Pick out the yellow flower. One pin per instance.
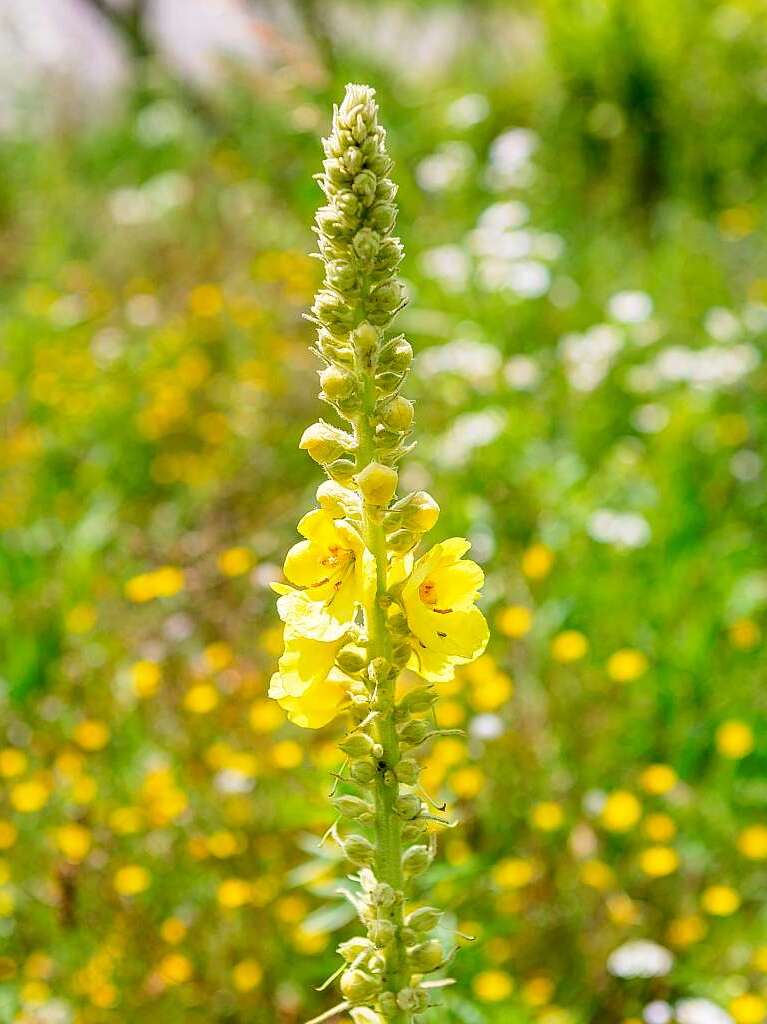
(659, 861)
(234, 561)
(752, 842)
(246, 975)
(12, 762)
(626, 665)
(734, 739)
(537, 561)
(74, 841)
(201, 698)
(748, 1009)
(548, 816)
(492, 986)
(175, 968)
(30, 796)
(621, 811)
(131, 880)
(448, 629)
(515, 621)
(658, 779)
(745, 634)
(720, 900)
(233, 893)
(307, 685)
(568, 646)
(145, 678)
(597, 874)
(685, 931)
(329, 568)
(91, 734)
(514, 872)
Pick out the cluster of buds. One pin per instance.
(357, 559)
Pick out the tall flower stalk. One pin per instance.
(359, 608)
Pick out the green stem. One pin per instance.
(388, 828)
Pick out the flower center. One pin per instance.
(428, 592)
(337, 557)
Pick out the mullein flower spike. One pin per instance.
(358, 607)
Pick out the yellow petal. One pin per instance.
(458, 585)
(459, 634)
(319, 620)
(316, 706)
(431, 666)
(303, 564)
(304, 663)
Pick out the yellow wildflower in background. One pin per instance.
(621, 811)
(658, 779)
(537, 561)
(734, 739)
(748, 1008)
(514, 621)
(752, 842)
(547, 816)
(247, 975)
(235, 561)
(569, 646)
(720, 900)
(145, 678)
(493, 986)
(74, 841)
(626, 665)
(12, 762)
(659, 861)
(131, 880)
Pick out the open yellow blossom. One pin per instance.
(328, 569)
(447, 627)
(306, 685)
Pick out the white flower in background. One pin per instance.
(755, 317)
(510, 163)
(528, 279)
(640, 958)
(593, 801)
(467, 111)
(522, 373)
(589, 356)
(746, 465)
(148, 202)
(503, 217)
(486, 727)
(650, 418)
(657, 1012)
(477, 361)
(721, 324)
(448, 264)
(706, 368)
(621, 529)
(446, 168)
(469, 431)
(630, 307)
(700, 1011)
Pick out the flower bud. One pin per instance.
(364, 184)
(357, 744)
(351, 806)
(382, 216)
(366, 244)
(324, 443)
(352, 160)
(418, 511)
(402, 541)
(417, 701)
(380, 670)
(365, 338)
(398, 414)
(426, 956)
(377, 483)
(396, 355)
(388, 295)
(415, 831)
(337, 500)
(387, 1004)
(363, 771)
(351, 660)
(331, 221)
(383, 896)
(415, 732)
(342, 471)
(358, 850)
(354, 947)
(407, 806)
(358, 986)
(381, 932)
(337, 384)
(424, 919)
(407, 771)
(347, 203)
(341, 274)
(413, 999)
(416, 860)
(333, 349)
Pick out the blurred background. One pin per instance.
(583, 197)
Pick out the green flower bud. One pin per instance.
(415, 831)
(331, 222)
(354, 947)
(342, 470)
(412, 999)
(377, 483)
(351, 660)
(387, 1004)
(366, 244)
(398, 414)
(351, 806)
(416, 860)
(407, 771)
(358, 850)
(415, 732)
(417, 701)
(419, 511)
(402, 541)
(426, 956)
(352, 160)
(337, 384)
(324, 443)
(387, 382)
(332, 310)
(380, 670)
(388, 295)
(383, 896)
(363, 772)
(333, 349)
(364, 184)
(358, 744)
(358, 987)
(424, 919)
(341, 274)
(365, 338)
(347, 203)
(382, 216)
(408, 806)
(396, 355)
(381, 932)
